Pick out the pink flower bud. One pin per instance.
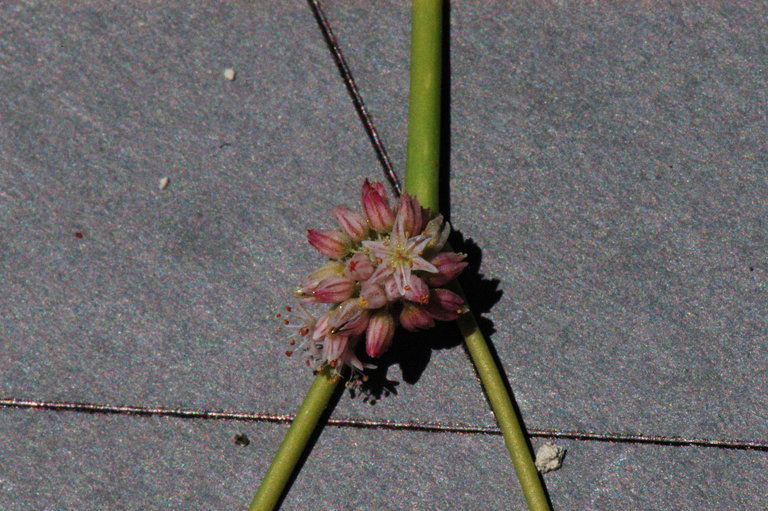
(378, 337)
(416, 290)
(330, 242)
(415, 317)
(359, 267)
(349, 318)
(376, 186)
(445, 305)
(449, 265)
(333, 290)
(409, 214)
(376, 207)
(372, 296)
(351, 222)
(308, 286)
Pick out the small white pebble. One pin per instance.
(164, 182)
(229, 74)
(549, 457)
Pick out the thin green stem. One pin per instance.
(504, 410)
(423, 155)
(422, 180)
(295, 441)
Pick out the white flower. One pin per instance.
(399, 255)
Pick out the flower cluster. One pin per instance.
(386, 268)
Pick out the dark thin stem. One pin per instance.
(437, 427)
(357, 99)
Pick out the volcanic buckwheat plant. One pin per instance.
(386, 268)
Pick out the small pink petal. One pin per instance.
(390, 289)
(416, 290)
(349, 318)
(376, 207)
(401, 276)
(331, 269)
(445, 305)
(351, 222)
(414, 317)
(420, 264)
(449, 265)
(409, 215)
(378, 337)
(334, 346)
(382, 272)
(329, 242)
(359, 267)
(417, 244)
(372, 296)
(333, 290)
(321, 328)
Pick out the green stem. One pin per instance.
(295, 441)
(422, 164)
(504, 410)
(422, 180)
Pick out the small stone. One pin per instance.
(164, 182)
(229, 74)
(242, 440)
(549, 457)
